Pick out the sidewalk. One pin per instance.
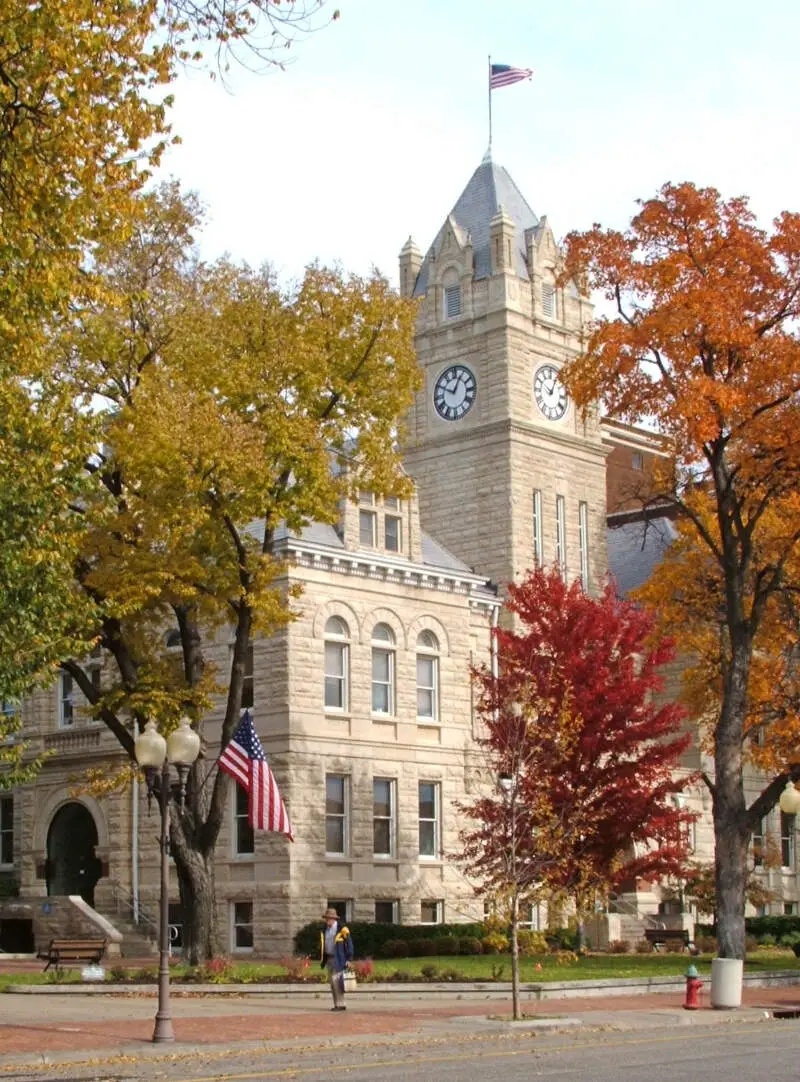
(62, 1028)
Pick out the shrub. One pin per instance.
(400, 975)
(452, 975)
(619, 946)
(674, 946)
(430, 972)
(777, 925)
(706, 944)
(118, 973)
(498, 971)
(470, 944)
(446, 945)
(644, 946)
(789, 939)
(750, 944)
(296, 967)
(562, 938)
(530, 942)
(369, 938)
(767, 940)
(564, 958)
(216, 971)
(422, 948)
(145, 975)
(394, 948)
(495, 943)
(363, 969)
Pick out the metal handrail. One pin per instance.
(627, 908)
(127, 907)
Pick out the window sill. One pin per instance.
(378, 859)
(430, 861)
(389, 719)
(243, 858)
(338, 858)
(338, 715)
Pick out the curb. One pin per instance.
(623, 986)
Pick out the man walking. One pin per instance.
(337, 954)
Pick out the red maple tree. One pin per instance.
(573, 717)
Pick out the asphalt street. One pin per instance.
(765, 1051)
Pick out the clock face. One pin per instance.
(454, 392)
(550, 393)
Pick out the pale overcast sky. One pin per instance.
(377, 125)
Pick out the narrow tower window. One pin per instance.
(537, 527)
(583, 538)
(561, 534)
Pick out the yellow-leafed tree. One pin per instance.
(223, 409)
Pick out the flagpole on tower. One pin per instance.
(489, 80)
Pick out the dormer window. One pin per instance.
(367, 520)
(548, 300)
(452, 301)
(392, 525)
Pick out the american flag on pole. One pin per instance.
(244, 759)
(505, 75)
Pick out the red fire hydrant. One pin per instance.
(693, 986)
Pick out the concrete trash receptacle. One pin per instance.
(726, 983)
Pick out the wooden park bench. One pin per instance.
(661, 936)
(72, 951)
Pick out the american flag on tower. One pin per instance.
(506, 74)
(244, 759)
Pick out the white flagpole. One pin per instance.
(490, 102)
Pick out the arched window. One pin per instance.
(337, 664)
(428, 676)
(382, 670)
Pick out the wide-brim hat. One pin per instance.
(330, 913)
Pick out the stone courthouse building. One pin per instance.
(364, 703)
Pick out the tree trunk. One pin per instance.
(731, 831)
(515, 956)
(196, 883)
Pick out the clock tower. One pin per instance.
(507, 471)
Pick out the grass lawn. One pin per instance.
(471, 968)
(590, 967)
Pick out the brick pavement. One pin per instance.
(195, 1023)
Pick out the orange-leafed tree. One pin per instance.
(702, 339)
(572, 721)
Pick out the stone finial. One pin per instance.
(410, 263)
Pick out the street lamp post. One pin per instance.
(155, 754)
(508, 787)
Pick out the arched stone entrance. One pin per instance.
(72, 864)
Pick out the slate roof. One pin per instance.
(634, 549)
(489, 188)
(320, 533)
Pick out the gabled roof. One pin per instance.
(635, 546)
(489, 188)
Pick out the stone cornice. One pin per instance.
(519, 428)
(381, 568)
